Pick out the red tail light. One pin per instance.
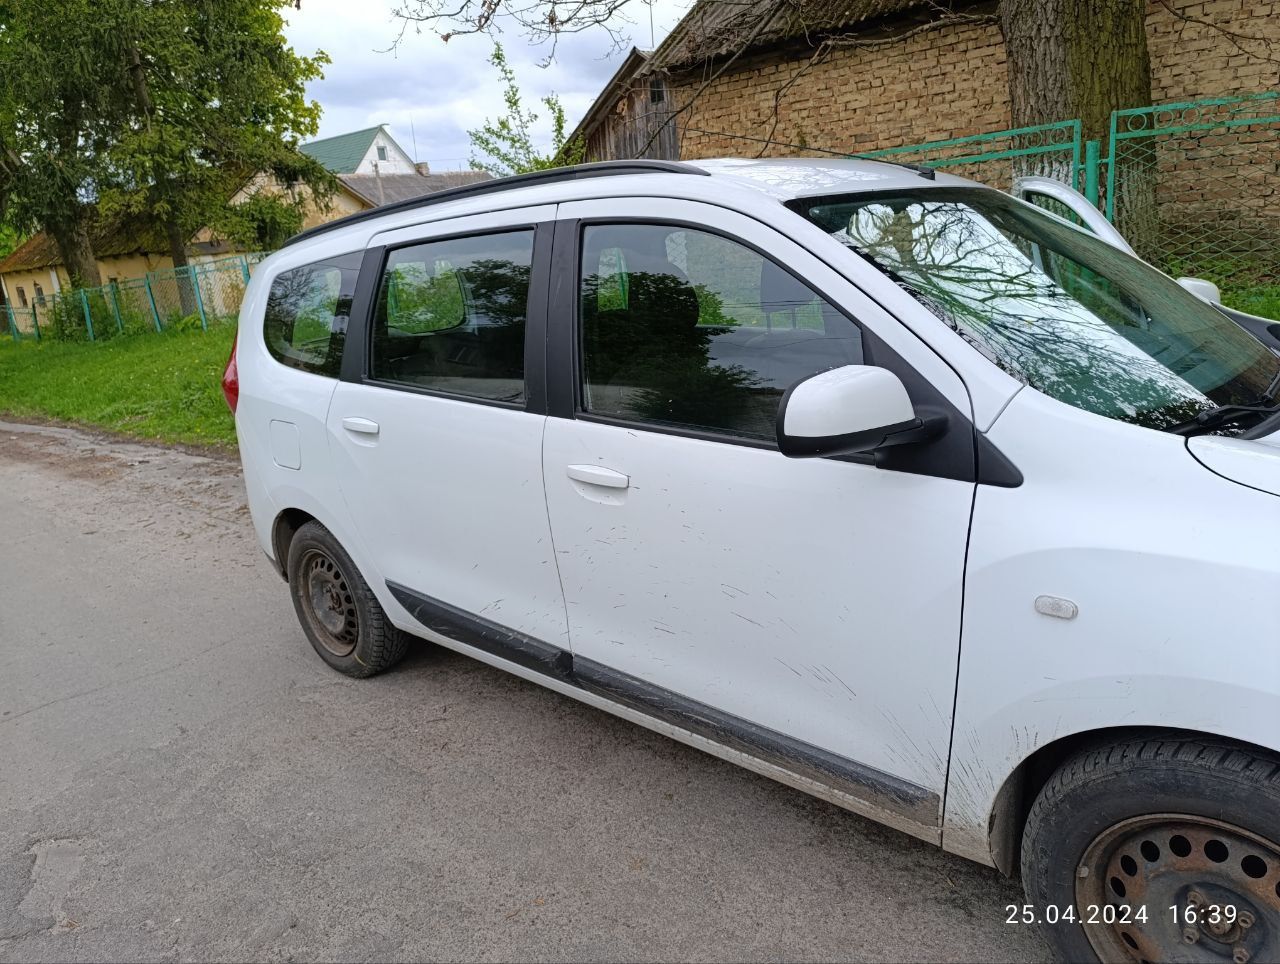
(231, 378)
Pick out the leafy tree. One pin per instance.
(58, 109)
(10, 240)
(219, 107)
(507, 143)
(163, 110)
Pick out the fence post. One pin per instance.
(151, 295)
(244, 267)
(1092, 158)
(115, 307)
(195, 283)
(88, 321)
(13, 323)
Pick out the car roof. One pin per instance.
(777, 178)
(787, 178)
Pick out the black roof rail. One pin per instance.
(499, 184)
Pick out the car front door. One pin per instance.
(806, 611)
(438, 441)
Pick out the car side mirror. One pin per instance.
(847, 410)
(1204, 290)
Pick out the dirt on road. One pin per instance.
(181, 778)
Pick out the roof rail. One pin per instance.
(552, 176)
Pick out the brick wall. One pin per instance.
(950, 82)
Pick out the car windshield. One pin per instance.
(1055, 307)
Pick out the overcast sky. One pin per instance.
(445, 89)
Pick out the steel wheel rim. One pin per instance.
(1188, 862)
(328, 604)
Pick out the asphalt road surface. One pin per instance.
(181, 778)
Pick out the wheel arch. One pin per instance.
(1013, 802)
(283, 529)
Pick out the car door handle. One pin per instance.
(598, 475)
(361, 426)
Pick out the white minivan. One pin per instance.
(881, 483)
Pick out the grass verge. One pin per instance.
(154, 386)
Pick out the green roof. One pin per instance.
(342, 154)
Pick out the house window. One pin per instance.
(657, 93)
(39, 294)
(22, 297)
(382, 153)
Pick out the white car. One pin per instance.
(886, 485)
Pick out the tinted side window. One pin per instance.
(307, 310)
(687, 328)
(451, 315)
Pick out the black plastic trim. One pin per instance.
(901, 797)
(1266, 330)
(355, 346)
(484, 634)
(498, 185)
(562, 321)
(535, 319)
(915, 803)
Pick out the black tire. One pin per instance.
(339, 613)
(1158, 823)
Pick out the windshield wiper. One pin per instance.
(1214, 418)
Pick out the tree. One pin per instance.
(507, 143)
(1075, 58)
(57, 111)
(219, 107)
(162, 110)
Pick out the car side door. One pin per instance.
(437, 438)
(806, 611)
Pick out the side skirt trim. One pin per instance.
(485, 634)
(884, 791)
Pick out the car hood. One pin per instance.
(1251, 462)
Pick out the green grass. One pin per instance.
(1264, 301)
(151, 386)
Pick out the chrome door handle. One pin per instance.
(361, 426)
(598, 475)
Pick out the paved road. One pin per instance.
(181, 778)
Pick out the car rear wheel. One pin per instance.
(1164, 850)
(339, 613)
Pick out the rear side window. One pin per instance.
(451, 316)
(305, 326)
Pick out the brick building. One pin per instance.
(902, 75)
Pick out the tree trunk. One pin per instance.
(1085, 59)
(74, 246)
(182, 276)
(1075, 58)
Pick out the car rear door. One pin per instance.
(437, 439)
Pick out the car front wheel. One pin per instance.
(1158, 850)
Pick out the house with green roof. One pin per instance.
(370, 151)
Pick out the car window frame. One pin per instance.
(565, 351)
(365, 302)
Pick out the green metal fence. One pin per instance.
(194, 296)
(1048, 150)
(1195, 187)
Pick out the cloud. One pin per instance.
(433, 92)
